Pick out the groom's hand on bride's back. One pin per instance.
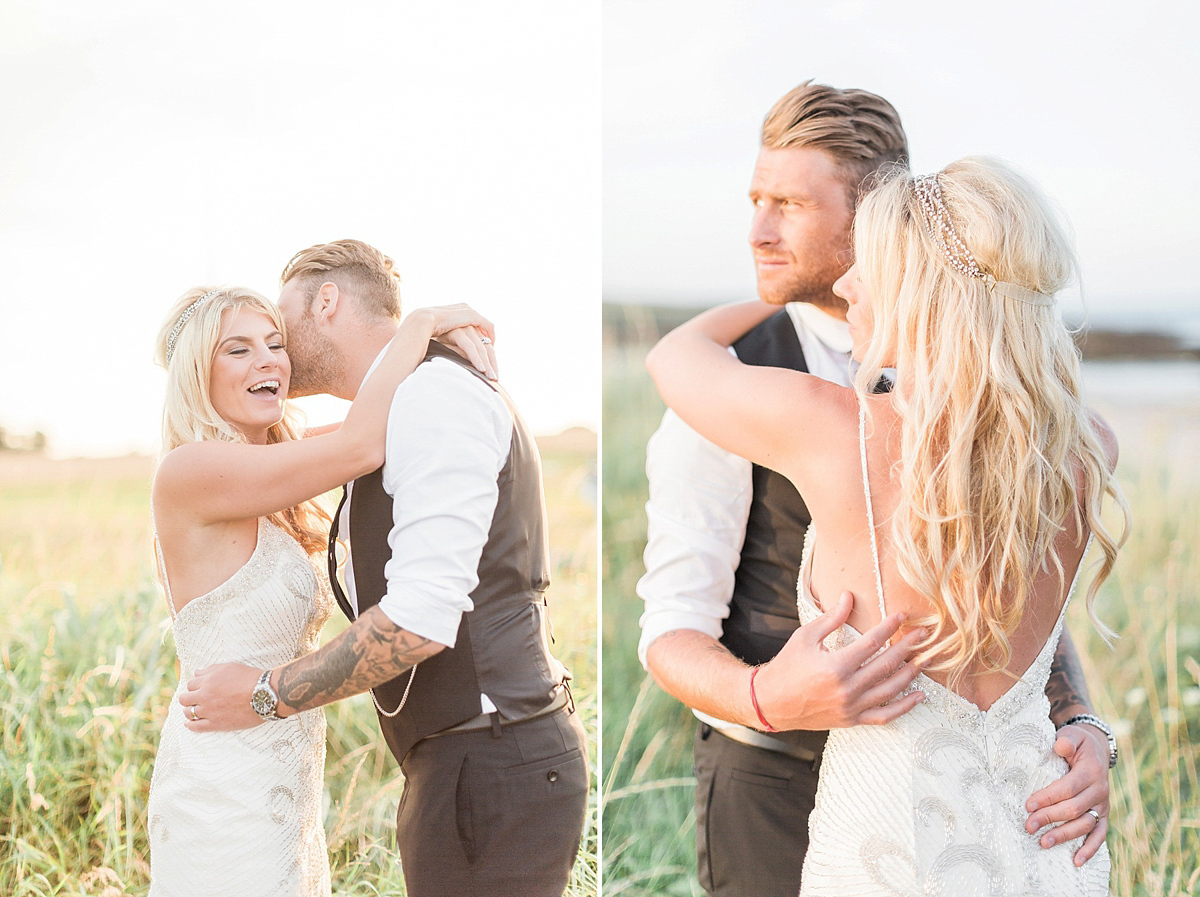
(807, 686)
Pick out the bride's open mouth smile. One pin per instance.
(268, 389)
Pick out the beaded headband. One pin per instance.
(937, 221)
(183, 319)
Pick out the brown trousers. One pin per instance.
(494, 815)
(752, 809)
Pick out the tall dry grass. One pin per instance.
(1148, 682)
(87, 669)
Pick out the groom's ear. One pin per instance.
(325, 303)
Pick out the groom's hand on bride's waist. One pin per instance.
(217, 698)
(807, 686)
(1080, 799)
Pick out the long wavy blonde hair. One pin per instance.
(188, 411)
(998, 453)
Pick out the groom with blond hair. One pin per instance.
(720, 630)
(446, 585)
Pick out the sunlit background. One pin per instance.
(150, 147)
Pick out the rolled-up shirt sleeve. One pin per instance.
(696, 523)
(448, 438)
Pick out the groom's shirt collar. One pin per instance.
(825, 342)
(833, 332)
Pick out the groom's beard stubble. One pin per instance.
(810, 277)
(317, 365)
(813, 287)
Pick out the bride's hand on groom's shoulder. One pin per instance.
(807, 686)
(444, 318)
(472, 344)
(467, 332)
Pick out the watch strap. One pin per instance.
(263, 700)
(1091, 720)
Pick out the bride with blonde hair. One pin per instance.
(240, 813)
(982, 479)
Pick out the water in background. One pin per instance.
(1178, 317)
(1169, 382)
(1154, 407)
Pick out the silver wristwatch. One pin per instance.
(263, 699)
(1103, 727)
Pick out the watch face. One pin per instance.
(262, 701)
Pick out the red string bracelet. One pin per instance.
(767, 727)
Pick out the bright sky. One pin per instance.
(1099, 101)
(150, 147)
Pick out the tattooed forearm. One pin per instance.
(369, 653)
(1066, 688)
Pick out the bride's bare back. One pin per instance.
(843, 559)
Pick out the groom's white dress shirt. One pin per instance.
(699, 502)
(448, 438)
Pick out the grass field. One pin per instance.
(1148, 683)
(87, 669)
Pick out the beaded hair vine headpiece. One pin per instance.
(173, 337)
(937, 221)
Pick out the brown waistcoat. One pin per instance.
(502, 649)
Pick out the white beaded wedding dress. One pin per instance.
(239, 813)
(934, 802)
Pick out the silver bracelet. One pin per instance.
(1104, 727)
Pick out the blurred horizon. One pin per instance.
(1134, 331)
(1178, 311)
(37, 447)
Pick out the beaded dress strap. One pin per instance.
(162, 567)
(862, 453)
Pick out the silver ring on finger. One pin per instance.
(193, 709)
(1095, 813)
(485, 340)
